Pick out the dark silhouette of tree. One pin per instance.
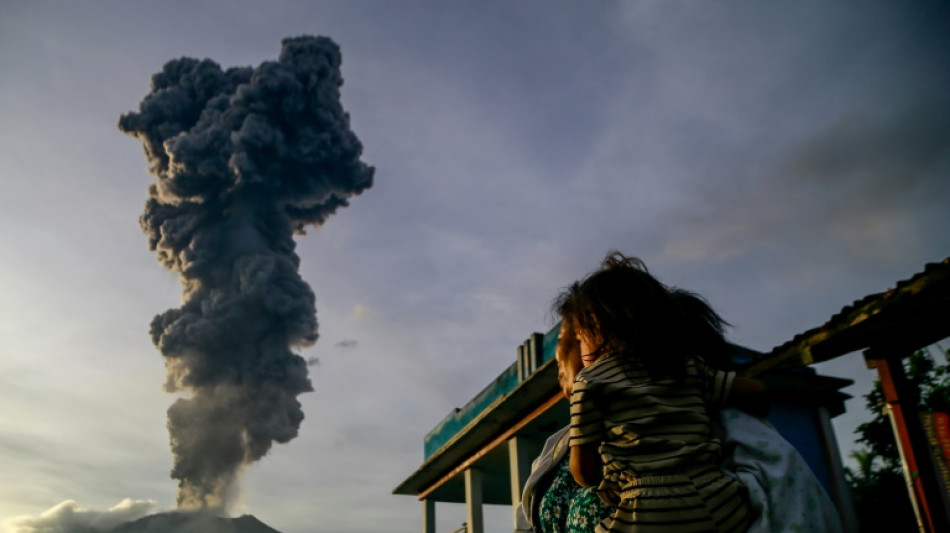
(878, 485)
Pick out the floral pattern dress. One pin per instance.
(567, 507)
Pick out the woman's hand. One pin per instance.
(611, 498)
(750, 395)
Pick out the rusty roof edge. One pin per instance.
(856, 313)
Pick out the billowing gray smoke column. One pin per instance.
(244, 159)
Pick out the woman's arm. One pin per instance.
(586, 465)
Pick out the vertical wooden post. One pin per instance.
(473, 501)
(919, 470)
(428, 516)
(520, 462)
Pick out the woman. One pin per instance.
(552, 501)
(568, 507)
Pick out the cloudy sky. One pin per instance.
(783, 159)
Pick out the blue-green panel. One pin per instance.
(459, 418)
(505, 383)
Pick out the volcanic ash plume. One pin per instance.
(244, 159)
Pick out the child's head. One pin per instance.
(622, 308)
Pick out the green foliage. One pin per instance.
(877, 484)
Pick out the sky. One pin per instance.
(782, 159)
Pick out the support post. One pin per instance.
(840, 488)
(473, 501)
(522, 364)
(919, 470)
(534, 351)
(428, 516)
(519, 459)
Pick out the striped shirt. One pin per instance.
(647, 426)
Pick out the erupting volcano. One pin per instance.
(244, 159)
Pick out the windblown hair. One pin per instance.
(706, 329)
(621, 307)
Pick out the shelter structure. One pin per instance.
(888, 327)
(481, 453)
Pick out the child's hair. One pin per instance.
(621, 307)
(706, 329)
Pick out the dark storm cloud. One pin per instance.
(884, 154)
(841, 143)
(880, 180)
(244, 159)
(860, 182)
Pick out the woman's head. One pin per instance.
(568, 359)
(621, 307)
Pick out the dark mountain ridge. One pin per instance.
(193, 522)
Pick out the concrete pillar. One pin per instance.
(840, 489)
(473, 501)
(536, 349)
(522, 364)
(428, 516)
(519, 458)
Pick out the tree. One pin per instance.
(877, 484)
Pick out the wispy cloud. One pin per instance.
(360, 311)
(347, 344)
(68, 516)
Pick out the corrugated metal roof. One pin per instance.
(931, 284)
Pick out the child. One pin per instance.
(641, 409)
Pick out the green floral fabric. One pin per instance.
(567, 507)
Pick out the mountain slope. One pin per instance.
(192, 522)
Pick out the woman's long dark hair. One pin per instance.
(628, 311)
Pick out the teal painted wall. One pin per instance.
(502, 385)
